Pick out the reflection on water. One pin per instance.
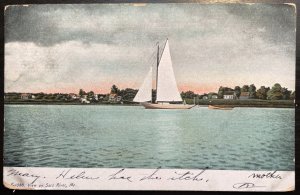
(130, 136)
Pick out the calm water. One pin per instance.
(130, 136)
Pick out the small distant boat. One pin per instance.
(167, 94)
(220, 107)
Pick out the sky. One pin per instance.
(64, 48)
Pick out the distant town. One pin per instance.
(224, 95)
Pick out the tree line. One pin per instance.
(127, 94)
(277, 92)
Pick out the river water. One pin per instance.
(133, 137)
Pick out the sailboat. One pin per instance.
(167, 94)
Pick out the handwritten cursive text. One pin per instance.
(14, 172)
(68, 175)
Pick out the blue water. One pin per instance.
(130, 136)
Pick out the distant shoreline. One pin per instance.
(250, 103)
(68, 103)
(203, 103)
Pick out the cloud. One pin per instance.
(51, 24)
(33, 67)
(62, 46)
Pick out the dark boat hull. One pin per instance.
(220, 107)
(166, 106)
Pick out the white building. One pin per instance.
(229, 95)
(25, 96)
(73, 96)
(84, 101)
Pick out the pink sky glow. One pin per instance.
(105, 88)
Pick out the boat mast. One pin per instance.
(157, 69)
(157, 64)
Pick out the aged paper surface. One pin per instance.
(167, 96)
(147, 179)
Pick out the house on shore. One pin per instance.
(114, 98)
(96, 97)
(244, 95)
(25, 96)
(84, 101)
(229, 95)
(101, 96)
(73, 96)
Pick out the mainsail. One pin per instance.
(145, 92)
(166, 86)
(167, 90)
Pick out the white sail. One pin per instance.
(167, 90)
(145, 92)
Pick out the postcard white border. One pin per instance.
(43, 178)
(46, 178)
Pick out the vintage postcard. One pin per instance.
(162, 96)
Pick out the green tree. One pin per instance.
(90, 95)
(209, 95)
(52, 97)
(188, 94)
(285, 93)
(81, 92)
(58, 97)
(275, 93)
(106, 97)
(245, 88)
(261, 93)
(221, 92)
(202, 96)
(40, 96)
(115, 89)
(292, 96)
(128, 94)
(237, 91)
(252, 91)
